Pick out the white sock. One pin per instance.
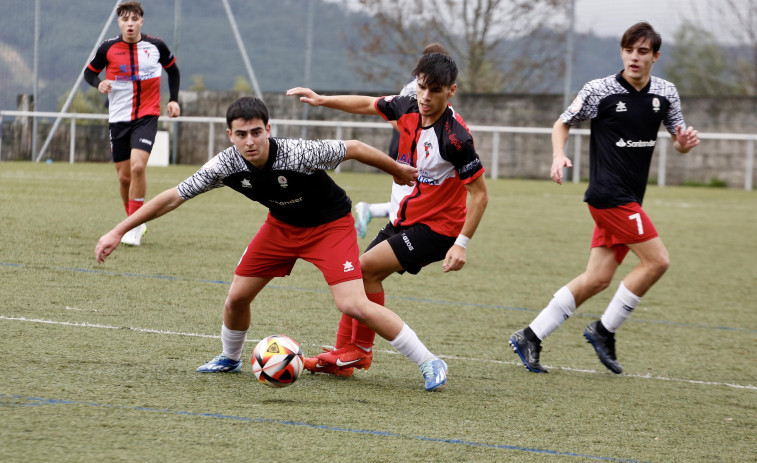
(620, 308)
(232, 341)
(562, 306)
(379, 209)
(408, 344)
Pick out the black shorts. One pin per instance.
(415, 246)
(125, 136)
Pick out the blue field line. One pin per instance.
(37, 401)
(400, 298)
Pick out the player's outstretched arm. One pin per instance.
(684, 140)
(159, 205)
(403, 174)
(355, 104)
(560, 133)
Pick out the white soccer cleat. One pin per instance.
(133, 237)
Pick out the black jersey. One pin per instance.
(293, 184)
(624, 126)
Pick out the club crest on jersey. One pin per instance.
(621, 107)
(283, 183)
(426, 148)
(655, 104)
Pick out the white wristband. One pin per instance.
(462, 241)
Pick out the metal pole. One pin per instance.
(569, 56)
(242, 50)
(35, 78)
(748, 178)
(308, 60)
(175, 125)
(78, 81)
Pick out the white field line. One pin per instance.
(391, 352)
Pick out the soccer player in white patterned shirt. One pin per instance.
(430, 221)
(626, 110)
(132, 63)
(309, 218)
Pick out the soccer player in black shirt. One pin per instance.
(626, 110)
(309, 218)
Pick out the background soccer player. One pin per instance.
(132, 64)
(626, 110)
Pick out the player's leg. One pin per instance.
(597, 276)
(123, 171)
(630, 225)
(350, 299)
(141, 140)
(236, 322)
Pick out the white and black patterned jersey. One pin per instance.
(624, 126)
(293, 184)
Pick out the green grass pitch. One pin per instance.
(98, 361)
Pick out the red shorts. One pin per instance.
(618, 226)
(332, 247)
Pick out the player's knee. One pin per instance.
(660, 264)
(137, 169)
(355, 308)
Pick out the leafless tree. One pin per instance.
(500, 45)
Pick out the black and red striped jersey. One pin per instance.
(624, 126)
(293, 184)
(446, 160)
(134, 70)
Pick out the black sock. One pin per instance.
(602, 331)
(530, 335)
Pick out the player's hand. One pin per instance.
(407, 175)
(686, 139)
(105, 87)
(307, 96)
(558, 164)
(173, 109)
(455, 259)
(107, 244)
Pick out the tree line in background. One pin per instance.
(502, 46)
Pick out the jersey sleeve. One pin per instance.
(585, 105)
(394, 106)
(100, 60)
(308, 156)
(674, 117)
(209, 177)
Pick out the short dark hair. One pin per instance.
(247, 108)
(641, 31)
(131, 6)
(438, 69)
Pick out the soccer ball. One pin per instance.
(277, 361)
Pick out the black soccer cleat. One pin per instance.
(604, 346)
(527, 351)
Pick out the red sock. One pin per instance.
(134, 205)
(344, 332)
(361, 334)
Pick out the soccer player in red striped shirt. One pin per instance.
(133, 64)
(429, 221)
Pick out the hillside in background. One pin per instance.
(274, 33)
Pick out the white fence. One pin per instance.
(495, 132)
